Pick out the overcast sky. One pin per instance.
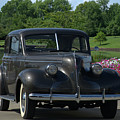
(74, 3)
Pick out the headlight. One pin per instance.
(51, 69)
(97, 69)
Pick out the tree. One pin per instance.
(39, 9)
(100, 37)
(15, 14)
(1, 32)
(62, 5)
(18, 7)
(91, 14)
(48, 5)
(103, 4)
(64, 19)
(113, 11)
(113, 27)
(43, 8)
(91, 17)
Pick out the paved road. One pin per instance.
(56, 114)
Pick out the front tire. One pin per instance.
(27, 106)
(109, 109)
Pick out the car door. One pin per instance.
(11, 64)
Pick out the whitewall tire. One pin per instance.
(27, 106)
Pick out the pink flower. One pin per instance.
(112, 63)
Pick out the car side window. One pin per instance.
(76, 44)
(15, 46)
(83, 44)
(79, 44)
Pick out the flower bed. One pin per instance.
(112, 63)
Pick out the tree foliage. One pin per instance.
(91, 17)
(91, 13)
(100, 37)
(103, 4)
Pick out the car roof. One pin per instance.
(30, 31)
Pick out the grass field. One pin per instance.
(100, 55)
(112, 42)
(2, 42)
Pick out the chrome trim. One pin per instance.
(56, 41)
(22, 60)
(77, 78)
(76, 70)
(72, 97)
(104, 95)
(7, 97)
(40, 61)
(23, 50)
(51, 95)
(78, 94)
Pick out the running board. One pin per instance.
(8, 97)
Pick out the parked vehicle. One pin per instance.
(51, 67)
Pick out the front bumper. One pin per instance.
(74, 97)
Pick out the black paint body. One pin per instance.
(29, 69)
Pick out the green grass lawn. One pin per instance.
(1, 55)
(2, 42)
(100, 55)
(112, 42)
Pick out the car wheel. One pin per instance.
(27, 106)
(109, 109)
(4, 104)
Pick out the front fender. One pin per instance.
(109, 80)
(110, 72)
(35, 80)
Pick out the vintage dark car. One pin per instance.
(52, 67)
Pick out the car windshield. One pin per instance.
(55, 42)
(34, 43)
